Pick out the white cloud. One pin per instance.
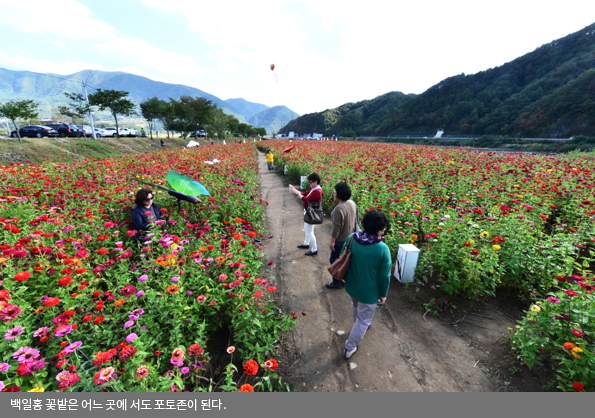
(60, 18)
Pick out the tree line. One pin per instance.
(184, 115)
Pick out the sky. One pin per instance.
(326, 52)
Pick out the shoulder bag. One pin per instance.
(340, 266)
(313, 213)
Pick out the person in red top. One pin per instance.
(314, 194)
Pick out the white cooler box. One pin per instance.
(406, 262)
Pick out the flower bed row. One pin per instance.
(85, 307)
(483, 221)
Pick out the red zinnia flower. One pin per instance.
(52, 301)
(251, 368)
(246, 388)
(22, 276)
(87, 318)
(577, 333)
(65, 281)
(99, 319)
(578, 386)
(195, 350)
(271, 364)
(474, 252)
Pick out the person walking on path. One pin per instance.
(368, 277)
(314, 194)
(344, 217)
(270, 160)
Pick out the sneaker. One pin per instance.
(312, 253)
(332, 285)
(348, 353)
(302, 246)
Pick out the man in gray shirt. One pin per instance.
(344, 217)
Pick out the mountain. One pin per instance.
(546, 93)
(49, 89)
(274, 117)
(362, 116)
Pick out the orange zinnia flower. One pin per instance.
(246, 388)
(172, 289)
(119, 302)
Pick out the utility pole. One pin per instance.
(90, 113)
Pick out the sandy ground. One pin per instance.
(404, 350)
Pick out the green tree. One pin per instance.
(167, 116)
(244, 129)
(151, 110)
(191, 113)
(115, 101)
(77, 107)
(348, 133)
(21, 109)
(218, 125)
(233, 124)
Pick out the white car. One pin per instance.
(99, 132)
(127, 132)
(86, 128)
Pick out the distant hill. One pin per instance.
(549, 92)
(274, 117)
(49, 89)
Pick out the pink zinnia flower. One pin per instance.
(9, 313)
(72, 347)
(11, 334)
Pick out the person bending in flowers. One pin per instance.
(145, 213)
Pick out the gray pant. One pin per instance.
(362, 318)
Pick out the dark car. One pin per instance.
(35, 131)
(66, 130)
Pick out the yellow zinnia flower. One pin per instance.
(535, 308)
(496, 247)
(484, 234)
(38, 389)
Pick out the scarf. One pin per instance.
(362, 237)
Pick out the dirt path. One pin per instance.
(404, 351)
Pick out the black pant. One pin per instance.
(334, 255)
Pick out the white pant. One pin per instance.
(310, 239)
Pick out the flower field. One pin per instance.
(484, 221)
(86, 307)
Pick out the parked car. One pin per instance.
(128, 132)
(198, 134)
(86, 129)
(66, 130)
(35, 131)
(99, 132)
